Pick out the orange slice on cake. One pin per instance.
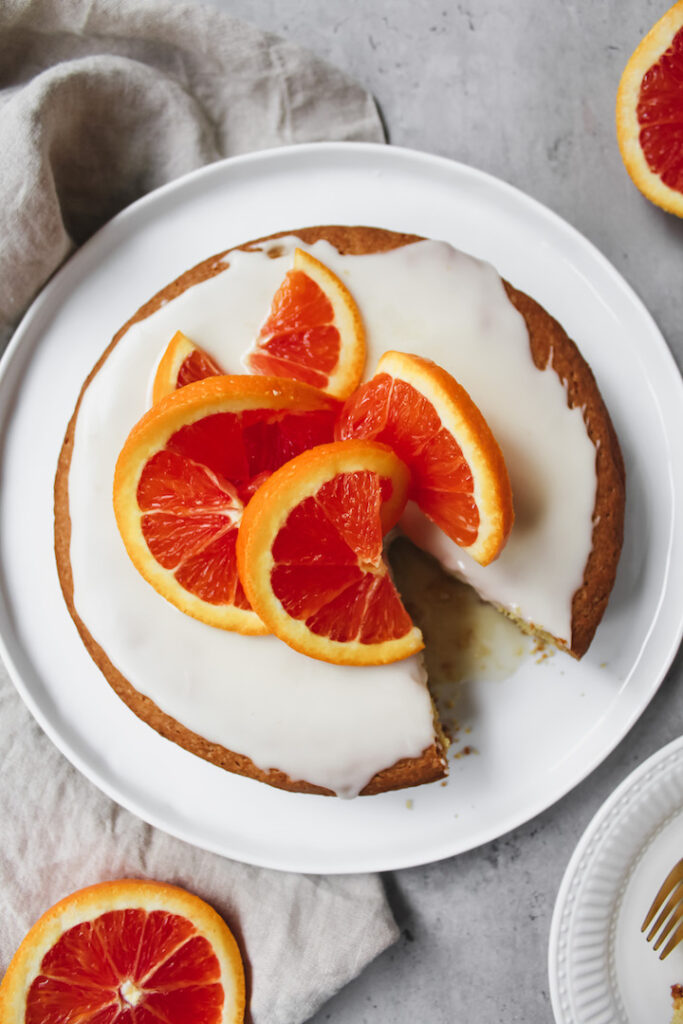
(125, 951)
(310, 554)
(459, 478)
(186, 472)
(650, 113)
(313, 332)
(182, 363)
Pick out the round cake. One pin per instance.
(248, 703)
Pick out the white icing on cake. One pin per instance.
(333, 726)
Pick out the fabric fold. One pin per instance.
(100, 102)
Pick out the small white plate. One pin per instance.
(537, 733)
(600, 965)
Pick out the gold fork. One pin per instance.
(670, 900)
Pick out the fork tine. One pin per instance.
(673, 899)
(675, 917)
(675, 938)
(674, 876)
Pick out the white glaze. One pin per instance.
(330, 725)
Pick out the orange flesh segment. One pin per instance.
(197, 366)
(329, 570)
(85, 976)
(190, 523)
(192, 492)
(298, 339)
(182, 363)
(660, 114)
(391, 410)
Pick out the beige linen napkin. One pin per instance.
(104, 100)
(99, 103)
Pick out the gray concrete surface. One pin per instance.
(526, 91)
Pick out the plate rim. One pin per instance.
(583, 860)
(107, 232)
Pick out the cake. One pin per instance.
(322, 728)
(677, 1003)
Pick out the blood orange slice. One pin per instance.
(458, 473)
(126, 952)
(313, 332)
(182, 363)
(186, 472)
(310, 554)
(650, 113)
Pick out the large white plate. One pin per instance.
(600, 966)
(537, 733)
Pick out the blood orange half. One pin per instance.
(310, 554)
(313, 332)
(650, 113)
(182, 363)
(126, 952)
(458, 473)
(186, 472)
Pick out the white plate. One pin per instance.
(537, 733)
(600, 965)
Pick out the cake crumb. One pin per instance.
(543, 651)
(465, 751)
(409, 804)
